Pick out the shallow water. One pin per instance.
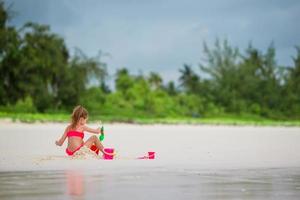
(158, 183)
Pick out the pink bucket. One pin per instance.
(151, 155)
(108, 157)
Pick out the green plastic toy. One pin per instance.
(101, 137)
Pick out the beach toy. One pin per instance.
(108, 156)
(101, 138)
(151, 155)
(95, 149)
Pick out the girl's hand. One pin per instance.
(98, 130)
(58, 143)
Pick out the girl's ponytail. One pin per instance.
(78, 112)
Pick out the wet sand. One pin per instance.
(154, 184)
(194, 162)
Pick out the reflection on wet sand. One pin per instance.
(75, 183)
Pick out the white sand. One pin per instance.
(26, 147)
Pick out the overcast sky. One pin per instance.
(157, 35)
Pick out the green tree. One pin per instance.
(44, 59)
(80, 73)
(188, 79)
(10, 43)
(222, 68)
(139, 94)
(155, 81)
(123, 81)
(291, 93)
(249, 80)
(170, 88)
(34, 62)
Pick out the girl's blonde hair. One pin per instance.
(78, 112)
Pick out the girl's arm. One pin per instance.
(63, 138)
(91, 130)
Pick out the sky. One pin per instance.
(162, 35)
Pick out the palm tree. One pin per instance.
(189, 80)
(170, 88)
(155, 80)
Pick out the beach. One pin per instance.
(191, 161)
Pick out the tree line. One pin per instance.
(38, 74)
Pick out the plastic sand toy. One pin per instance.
(151, 155)
(101, 138)
(110, 154)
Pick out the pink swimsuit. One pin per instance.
(74, 134)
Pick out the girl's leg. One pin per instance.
(94, 140)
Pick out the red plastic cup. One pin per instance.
(95, 149)
(151, 155)
(106, 156)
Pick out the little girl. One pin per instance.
(75, 134)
